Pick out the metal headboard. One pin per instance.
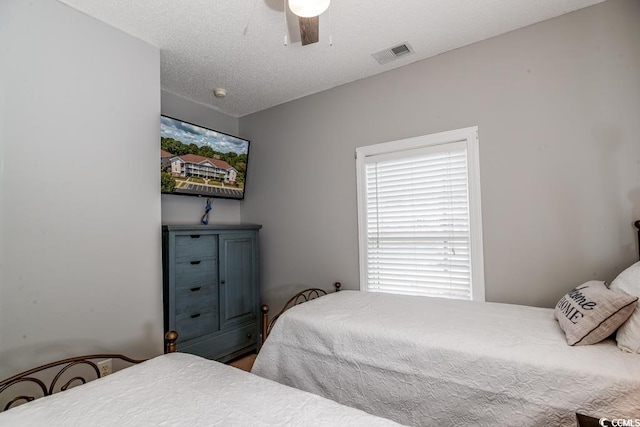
(48, 387)
(299, 298)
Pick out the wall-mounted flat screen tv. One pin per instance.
(196, 161)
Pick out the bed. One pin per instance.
(431, 361)
(177, 389)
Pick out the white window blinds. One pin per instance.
(416, 220)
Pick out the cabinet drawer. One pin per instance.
(194, 324)
(222, 344)
(196, 271)
(195, 246)
(195, 299)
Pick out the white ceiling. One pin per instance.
(239, 44)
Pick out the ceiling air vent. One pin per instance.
(393, 53)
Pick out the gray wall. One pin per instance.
(186, 209)
(80, 208)
(557, 105)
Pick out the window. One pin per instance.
(419, 217)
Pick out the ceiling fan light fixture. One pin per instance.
(308, 8)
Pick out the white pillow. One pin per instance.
(628, 335)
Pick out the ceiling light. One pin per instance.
(220, 92)
(308, 8)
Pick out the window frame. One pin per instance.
(468, 135)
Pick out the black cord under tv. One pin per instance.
(202, 162)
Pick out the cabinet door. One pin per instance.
(238, 278)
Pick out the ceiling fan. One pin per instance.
(308, 12)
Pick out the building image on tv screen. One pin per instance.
(197, 161)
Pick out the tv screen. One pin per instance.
(196, 161)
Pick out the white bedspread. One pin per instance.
(185, 390)
(439, 362)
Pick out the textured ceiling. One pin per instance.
(239, 44)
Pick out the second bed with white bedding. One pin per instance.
(184, 390)
(431, 361)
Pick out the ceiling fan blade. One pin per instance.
(309, 30)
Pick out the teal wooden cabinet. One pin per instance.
(211, 288)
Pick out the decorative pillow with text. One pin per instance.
(591, 312)
(628, 336)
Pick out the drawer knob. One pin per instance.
(222, 282)
(195, 262)
(196, 289)
(193, 316)
(249, 335)
(195, 236)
